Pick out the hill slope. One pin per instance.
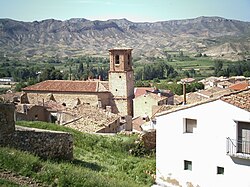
(81, 36)
(98, 161)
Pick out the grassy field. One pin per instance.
(202, 66)
(98, 161)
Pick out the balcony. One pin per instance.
(238, 148)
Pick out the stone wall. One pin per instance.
(149, 139)
(7, 123)
(69, 98)
(46, 144)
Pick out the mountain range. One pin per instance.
(214, 36)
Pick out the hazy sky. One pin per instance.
(134, 10)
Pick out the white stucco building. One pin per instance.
(206, 144)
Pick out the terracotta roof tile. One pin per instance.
(239, 86)
(64, 86)
(239, 99)
(142, 90)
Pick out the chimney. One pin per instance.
(100, 78)
(184, 93)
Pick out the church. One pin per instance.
(117, 93)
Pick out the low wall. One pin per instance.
(43, 143)
(46, 144)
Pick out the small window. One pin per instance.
(128, 59)
(120, 76)
(117, 59)
(187, 165)
(189, 125)
(116, 90)
(220, 170)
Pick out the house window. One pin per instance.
(120, 76)
(187, 165)
(189, 125)
(243, 137)
(128, 59)
(117, 59)
(220, 170)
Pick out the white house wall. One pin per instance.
(206, 147)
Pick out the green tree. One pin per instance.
(217, 67)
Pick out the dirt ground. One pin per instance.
(20, 180)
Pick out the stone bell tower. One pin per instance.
(121, 81)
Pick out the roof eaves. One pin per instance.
(183, 107)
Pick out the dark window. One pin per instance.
(220, 170)
(187, 165)
(63, 104)
(120, 76)
(117, 59)
(128, 59)
(189, 125)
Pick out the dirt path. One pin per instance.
(20, 180)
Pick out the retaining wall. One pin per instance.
(46, 144)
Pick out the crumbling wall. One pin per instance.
(7, 123)
(46, 144)
(149, 139)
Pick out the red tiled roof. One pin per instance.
(239, 99)
(239, 86)
(142, 90)
(64, 86)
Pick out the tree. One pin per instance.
(217, 67)
(80, 69)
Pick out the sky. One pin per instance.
(133, 10)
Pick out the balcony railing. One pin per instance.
(238, 148)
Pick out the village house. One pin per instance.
(144, 104)
(205, 144)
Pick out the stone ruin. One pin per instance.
(43, 143)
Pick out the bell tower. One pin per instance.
(121, 81)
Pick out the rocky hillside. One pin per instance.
(214, 36)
